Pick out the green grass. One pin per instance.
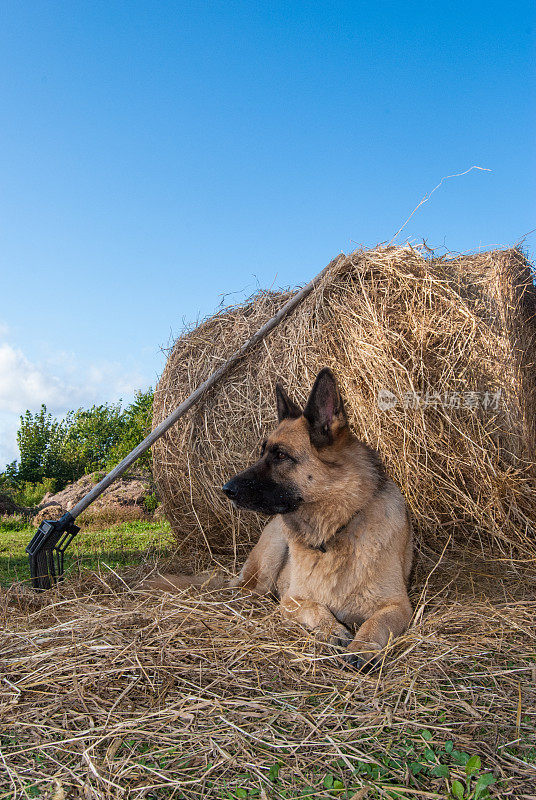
(117, 546)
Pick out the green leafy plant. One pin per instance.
(426, 760)
(150, 503)
(476, 785)
(273, 772)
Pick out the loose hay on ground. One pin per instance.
(119, 693)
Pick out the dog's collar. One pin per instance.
(322, 546)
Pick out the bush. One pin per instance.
(13, 522)
(30, 494)
(150, 503)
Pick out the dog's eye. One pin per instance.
(280, 455)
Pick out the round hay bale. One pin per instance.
(452, 341)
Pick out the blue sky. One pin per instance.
(154, 156)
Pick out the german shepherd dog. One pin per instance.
(337, 552)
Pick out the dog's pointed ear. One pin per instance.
(286, 408)
(325, 410)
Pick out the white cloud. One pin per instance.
(24, 385)
(59, 383)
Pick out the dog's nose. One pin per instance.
(230, 489)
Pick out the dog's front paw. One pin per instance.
(360, 662)
(352, 660)
(337, 636)
(362, 656)
(340, 637)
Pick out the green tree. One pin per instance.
(91, 434)
(8, 478)
(40, 439)
(137, 420)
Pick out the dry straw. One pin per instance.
(111, 692)
(385, 319)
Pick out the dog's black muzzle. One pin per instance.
(261, 494)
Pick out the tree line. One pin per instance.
(55, 452)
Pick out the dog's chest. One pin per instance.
(322, 576)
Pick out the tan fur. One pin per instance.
(352, 591)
